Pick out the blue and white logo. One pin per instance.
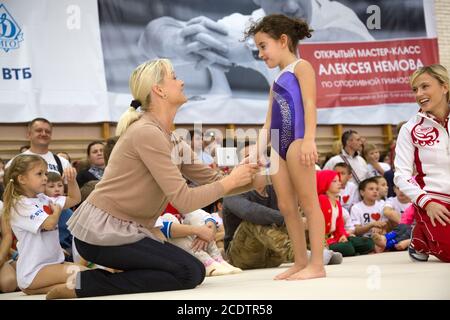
(10, 33)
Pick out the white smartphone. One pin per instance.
(227, 157)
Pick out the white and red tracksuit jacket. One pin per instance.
(423, 143)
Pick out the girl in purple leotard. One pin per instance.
(292, 120)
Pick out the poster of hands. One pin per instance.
(362, 51)
(221, 70)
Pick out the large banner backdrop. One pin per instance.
(51, 62)
(70, 60)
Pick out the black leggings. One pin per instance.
(147, 265)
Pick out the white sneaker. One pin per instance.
(232, 268)
(417, 256)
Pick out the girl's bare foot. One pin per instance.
(380, 242)
(61, 292)
(310, 272)
(286, 274)
(402, 245)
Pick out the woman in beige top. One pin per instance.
(114, 227)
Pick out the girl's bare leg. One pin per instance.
(52, 275)
(8, 280)
(304, 181)
(61, 291)
(42, 290)
(288, 205)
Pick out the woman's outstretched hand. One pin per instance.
(241, 175)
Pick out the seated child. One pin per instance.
(394, 207)
(34, 217)
(54, 189)
(195, 233)
(220, 233)
(372, 155)
(367, 215)
(328, 188)
(400, 237)
(348, 195)
(383, 187)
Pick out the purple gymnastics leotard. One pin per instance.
(287, 110)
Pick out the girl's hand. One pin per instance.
(56, 208)
(199, 244)
(69, 174)
(308, 153)
(343, 239)
(437, 211)
(205, 233)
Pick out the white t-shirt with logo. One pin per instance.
(37, 248)
(219, 220)
(349, 226)
(362, 214)
(349, 195)
(51, 162)
(393, 203)
(374, 173)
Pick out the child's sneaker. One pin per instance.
(216, 269)
(232, 268)
(336, 258)
(417, 256)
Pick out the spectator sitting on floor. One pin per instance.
(337, 238)
(40, 135)
(349, 194)
(195, 233)
(54, 189)
(400, 237)
(65, 155)
(367, 215)
(372, 155)
(351, 147)
(96, 164)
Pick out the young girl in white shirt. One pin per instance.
(34, 220)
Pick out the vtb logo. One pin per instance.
(10, 33)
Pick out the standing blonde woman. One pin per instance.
(423, 144)
(114, 227)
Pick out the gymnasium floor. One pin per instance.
(379, 276)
